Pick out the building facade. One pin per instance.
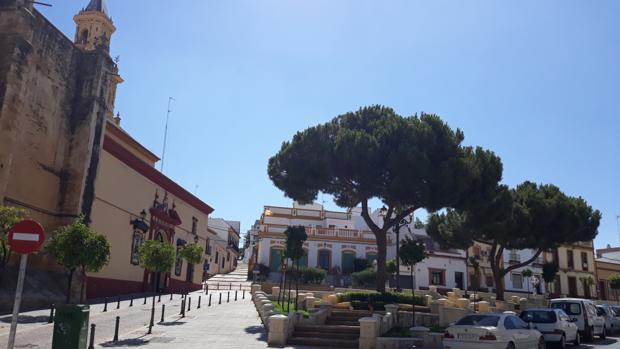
(515, 281)
(607, 263)
(225, 242)
(577, 274)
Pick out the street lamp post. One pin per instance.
(396, 228)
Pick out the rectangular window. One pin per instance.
(217, 257)
(489, 281)
(194, 225)
(569, 259)
(227, 256)
(437, 277)
(517, 280)
(325, 259)
(584, 261)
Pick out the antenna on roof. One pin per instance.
(163, 152)
(618, 224)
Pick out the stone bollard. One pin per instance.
(432, 290)
(462, 303)
(255, 288)
(267, 308)
(275, 290)
(457, 292)
(522, 304)
(332, 298)
(278, 330)
(429, 300)
(393, 309)
(483, 307)
(492, 302)
(514, 299)
(309, 303)
(369, 331)
(451, 295)
(437, 307)
(500, 305)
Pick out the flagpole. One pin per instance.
(163, 153)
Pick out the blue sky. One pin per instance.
(536, 81)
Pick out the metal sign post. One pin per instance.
(24, 237)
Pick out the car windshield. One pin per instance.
(617, 310)
(479, 320)
(569, 308)
(601, 310)
(539, 316)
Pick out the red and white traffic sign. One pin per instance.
(26, 237)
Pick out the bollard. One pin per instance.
(243, 294)
(159, 298)
(131, 301)
(144, 300)
(51, 319)
(182, 307)
(105, 304)
(207, 289)
(220, 301)
(227, 297)
(235, 295)
(189, 304)
(230, 286)
(118, 321)
(218, 286)
(210, 299)
(239, 286)
(152, 322)
(118, 303)
(198, 307)
(171, 296)
(163, 311)
(92, 337)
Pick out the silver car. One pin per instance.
(612, 322)
(554, 324)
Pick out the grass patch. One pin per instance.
(437, 328)
(398, 332)
(280, 307)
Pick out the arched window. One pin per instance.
(83, 37)
(325, 259)
(348, 259)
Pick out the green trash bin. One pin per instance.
(71, 327)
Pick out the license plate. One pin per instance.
(467, 336)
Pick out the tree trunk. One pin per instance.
(82, 286)
(412, 298)
(381, 261)
(499, 284)
(288, 301)
(296, 284)
(68, 299)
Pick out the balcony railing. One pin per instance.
(514, 258)
(539, 261)
(331, 233)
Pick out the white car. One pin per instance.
(554, 324)
(492, 331)
(585, 315)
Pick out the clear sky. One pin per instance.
(536, 81)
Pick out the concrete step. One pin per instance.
(329, 329)
(342, 323)
(323, 342)
(318, 334)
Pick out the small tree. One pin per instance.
(157, 257)
(550, 270)
(412, 252)
(527, 274)
(294, 249)
(475, 279)
(192, 253)
(76, 246)
(587, 282)
(360, 264)
(8, 217)
(614, 284)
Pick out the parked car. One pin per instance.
(554, 324)
(588, 320)
(612, 322)
(492, 331)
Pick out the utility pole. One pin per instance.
(163, 153)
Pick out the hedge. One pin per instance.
(361, 299)
(308, 275)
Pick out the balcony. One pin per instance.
(320, 233)
(514, 258)
(538, 262)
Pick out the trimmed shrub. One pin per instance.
(366, 277)
(360, 264)
(307, 275)
(378, 300)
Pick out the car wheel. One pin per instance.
(577, 340)
(562, 342)
(511, 345)
(603, 334)
(541, 343)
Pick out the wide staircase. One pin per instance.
(341, 330)
(235, 280)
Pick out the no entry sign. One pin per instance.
(26, 237)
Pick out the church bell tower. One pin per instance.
(94, 32)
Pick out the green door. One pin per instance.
(348, 259)
(303, 261)
(274, 260)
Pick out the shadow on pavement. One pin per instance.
(133, 342)
(257, 330)
(172, 323)
(26, 319)
(598, 342)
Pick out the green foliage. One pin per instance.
(407, 163)
(77, 246)
(366, 277)
(391, 267)
(587, 280)
(527, 273)
(418, 224)
(294, 244)
(549, 271)
(398, 332)
(192, 253)
(614, 281)
(412, 252)
(360, 298)
(283, 307)
(308, 275)
(157, 256)
(8, 217)
(360, 264)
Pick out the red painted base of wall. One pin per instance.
(101, 287)
(178, 285)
